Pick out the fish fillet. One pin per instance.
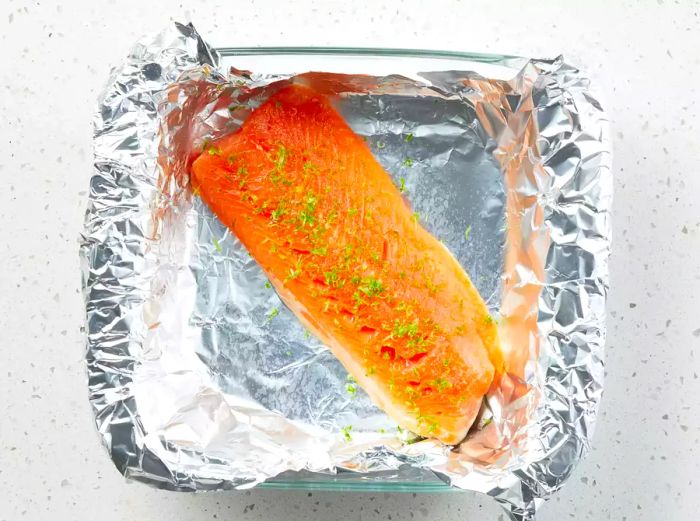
(334, 235)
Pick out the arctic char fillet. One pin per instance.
(332, 232)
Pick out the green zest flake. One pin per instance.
(382, 430)
(351, 389)
(243, 172)
(214, 151)
(278, 212)
(446, 362)
(372, 370)
(231, 159)
(288, 353)
(488, 421)
(409, 138)
(306, 216)
(416, 216)
(442, 384)
(416, 343)
(467, 232)
(262, 208)
(355, 280)
(346, 432)
(281, 157)
(352, 212)
(310, 167)
(322, 250)
(217, 245)
(307, 334)
(408, 162)
(357, 297)
(350, 378)
(273, 313)
(402, 185)
(380, 144)
(332, 279)
(311, 201)
(489, 319)
(405, 329)
(415, 439)
(268, 285)
(296, 271)
(399, 429)
(371, 287)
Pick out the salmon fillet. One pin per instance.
(325, 222)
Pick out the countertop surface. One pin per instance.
(644, 60)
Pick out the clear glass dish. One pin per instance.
(375, 62)
(360, 60)
(195, 388)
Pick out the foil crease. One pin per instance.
(192, 384)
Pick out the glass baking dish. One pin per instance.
(375, 62)
(503, 158)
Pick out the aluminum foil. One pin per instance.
(200, 378)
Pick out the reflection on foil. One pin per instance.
(200, 378)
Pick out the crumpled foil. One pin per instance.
(196, 385)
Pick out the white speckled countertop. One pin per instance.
(55, 57)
